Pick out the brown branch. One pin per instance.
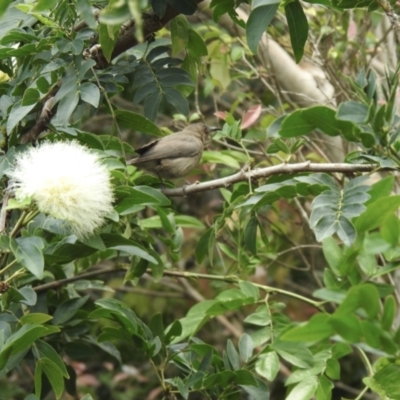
(3, 212)
(41, 123)
(258, 173)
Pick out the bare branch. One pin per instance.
(245, 175)
(41, 123)
(3, 212)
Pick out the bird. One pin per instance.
(175, 155)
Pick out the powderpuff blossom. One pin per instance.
(67, 181)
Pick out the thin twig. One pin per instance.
(258, 173)
(187, 275)
(66, 281)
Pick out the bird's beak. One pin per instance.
(214, 129)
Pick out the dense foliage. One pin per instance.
(274, 274)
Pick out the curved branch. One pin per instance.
(246, 175)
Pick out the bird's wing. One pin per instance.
(143, 149)
(173, 146)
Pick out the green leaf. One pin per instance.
(176, 99)
(31, 96)
(48, 351)
(43, 5)
(249, 289)
(259, 19)
(371, 334)
(179, 34)
(352, 111)
(295, 353)
(268, 366)
(28, 251)
(369, 300)
(67, 252)
(151, 105)
(340, 350)
(218, 157)
(156, 326)
(347, 326)
(115, 309)
(257, 392)
(324, 390)
(304, 121)
(170, 77)
(246, 347)
(66, 107)
(389, 313)
(296, 124)
(186, 7)
(250, 235)
(333, 209)
(108, 36)
(376, 213)
(390, 231)
(38, 379)
(304, 390)
(194, 319)
(196, 44)
(316, 329)
(173, 331)
(4, 5)
(90, 93)
(332, 369)
(145, 90)
(388, 379)
(262, 317)
(118, 242)
(35, 318)
(53, 374)
(184, 221)
(159, 7)
(18, 112)
(298, 27)
(233, 355)
(205, 245)
(333, 254)
(87, 397)
(65, 311)
(137, 122)
(85, 11)
(21, 340)
(140, 195)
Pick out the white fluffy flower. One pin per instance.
(67, 181)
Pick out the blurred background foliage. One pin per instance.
(201, 296)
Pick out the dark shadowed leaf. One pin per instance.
(187, 7)
(298, 27)
(259, 19)
(137, 122)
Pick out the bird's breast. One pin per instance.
(171, 168)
